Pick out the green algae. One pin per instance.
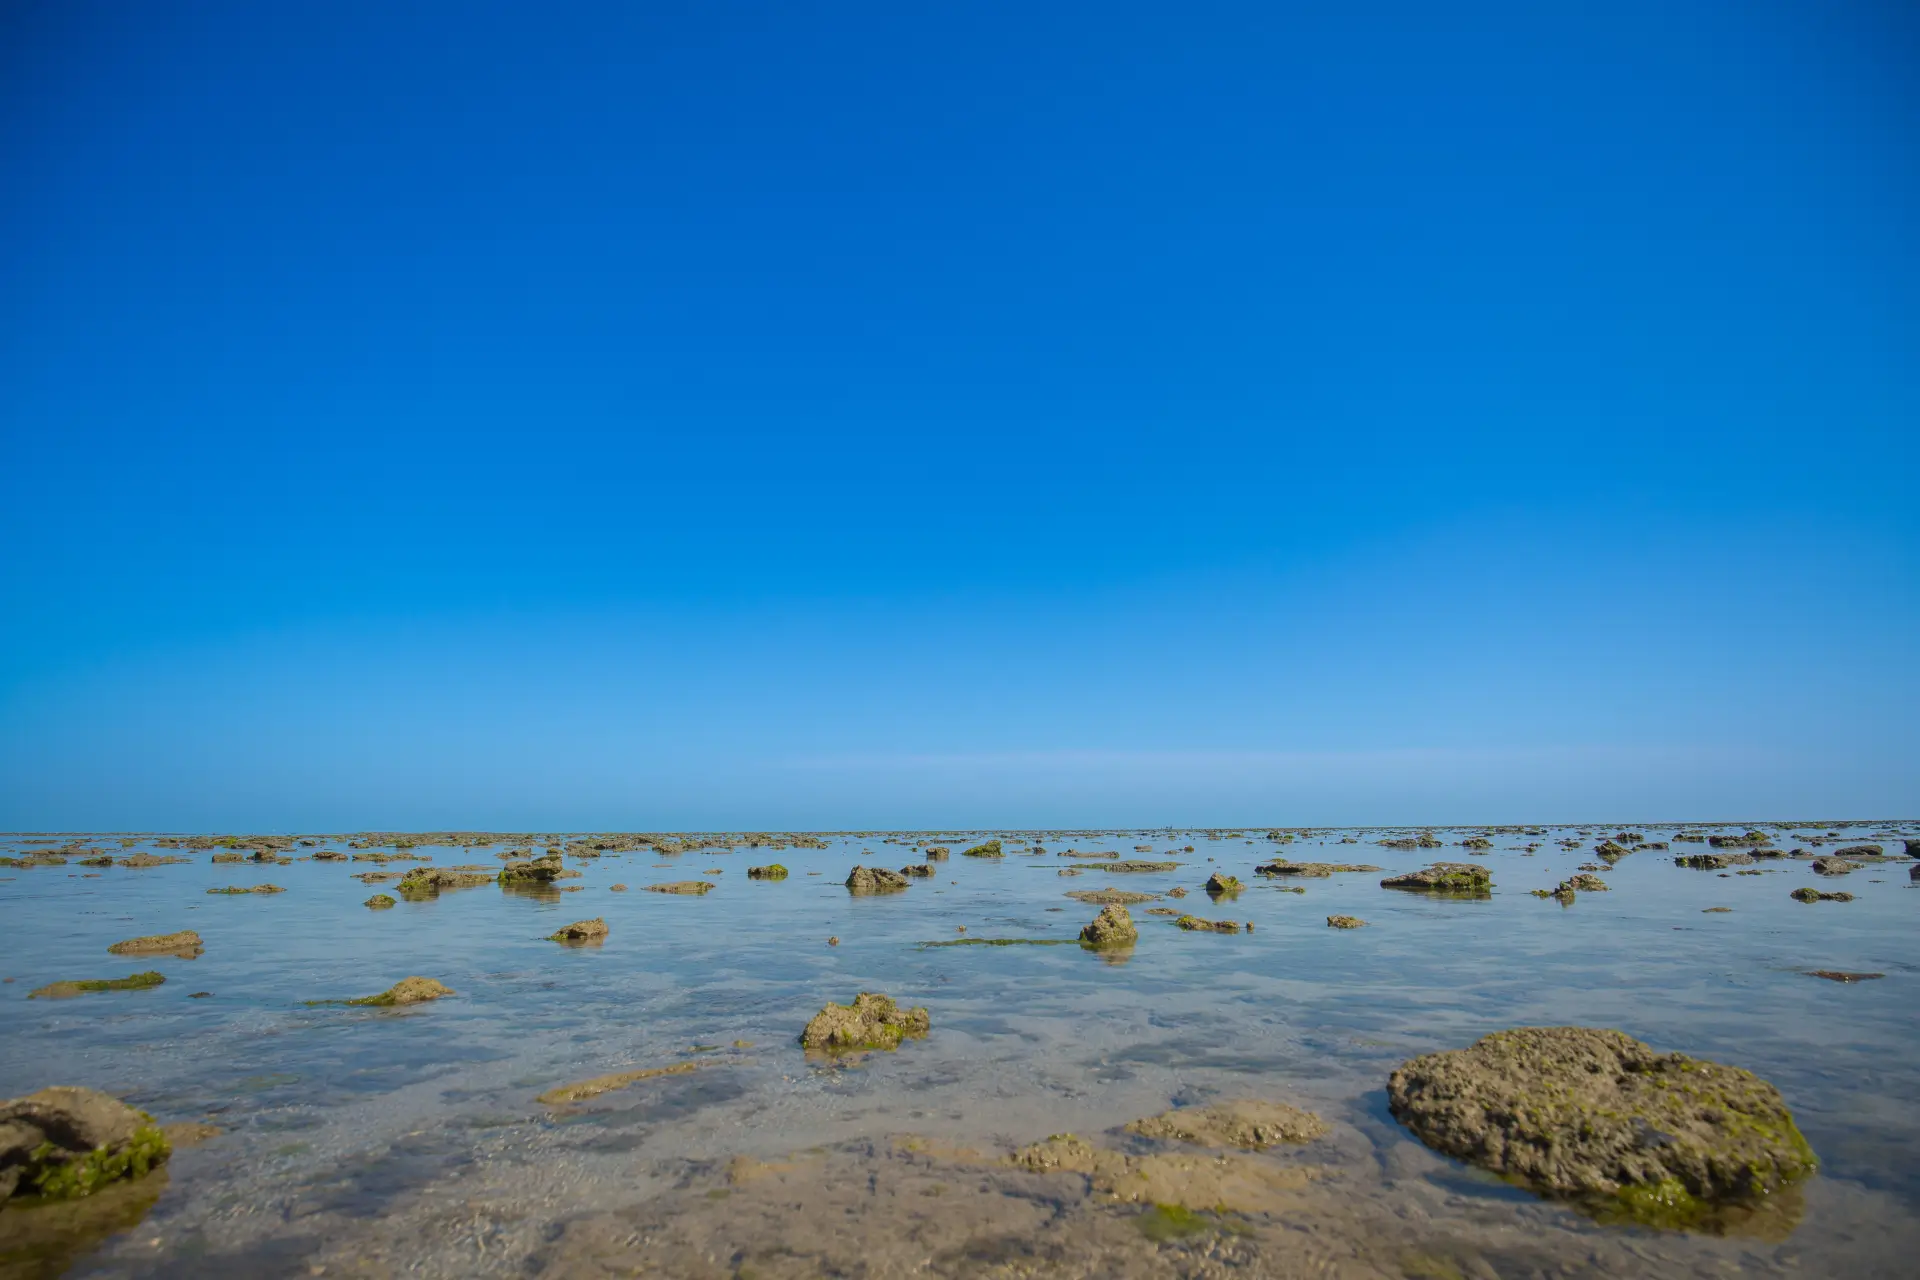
(132, 982)
(101, 1167)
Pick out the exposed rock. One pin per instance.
(872, 1021)
(581, 931)
(1611, 851)
(1858, 851)
(991, 849)
(1249, 1124)
(64, 1142)
(1913, 848)
(381, 901)
(616, 888)
(1194, 924)
(1712, 861)
(1134, 864)
(682, 886)
(1444, 877)
(1732, 842)
(917, 869)
(1345, 922)
(875, 880)
(1113, 927)
(427, 882)
(1831, 867)
(258, 888)
(69, 989)
(1587, 883)
(406, 991)
(1102, 897)
(1814, 895)
(1315, 870)
(143, 860)
(1218, 885)
(328, 855)
(1580, 1112)
(937, 853)
(773, 871)
(186, 945)
(535, 870)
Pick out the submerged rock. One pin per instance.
(682, 886)
(1113, 927)
(581, 931)
(406, 991)
(872, 1021)
(1249, 1124)
(1814, 895)
(1444, 877)
(771, 872)
(1584, 1113)
(581, 1090)
(380, 902)
(1194, 924)
(65, 1142)
(1345, 922)
(875, 880)
(1104, 897)
(1172, 1184)
(186, 945)
(66, 990)
(1843, 975)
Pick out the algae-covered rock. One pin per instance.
(581, 931)
(875, 880)
(542, 870)
(258, 888)
(1832, 867)
(186, 945)
(1345, 922)
(1102, 897)
(936, 853)
(427, 882)
(1859, 851)
(1249, 1124)
(990, 849)
(1444, 877)
(694, 887)
(1194, 924)
(1314, 870)
(772, 872)
(1587, 883)
(872, 1021)
(380, 902)
(140, 861)
(917, 870)
(1611, 851)
(1594, 1114)
(65, 1142)
(1814, 895)
(1136, 864)
(66, 990)
(1712, 861)
(1222, 885)
(406, 991)
(1113, 927)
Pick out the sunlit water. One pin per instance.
(369, 1141)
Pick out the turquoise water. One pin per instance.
(352, 1137)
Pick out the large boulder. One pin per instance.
(1585, 1113)
(1113, 927)
(65, 1142)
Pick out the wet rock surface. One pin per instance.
(1102, 897)
(581, 931)
(1832, 867)
(1219, 885)
(1444, 877)
(1250, 1124)
(690, 887)
(414, 990)
(186, 945)
(872, 1021)
(772, 872)
(1195, 924)
(1113, 927)
(85, 986)
(1312, 870)
(1581, 1112)
(64, 1142)
(875, 880)
(1345, 922)
(1815, 895)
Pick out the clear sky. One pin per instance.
(670, 415)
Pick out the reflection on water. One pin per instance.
(413, 1139)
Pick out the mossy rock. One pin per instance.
(1597, 1117)
(1194, 924)
(1220, 886)
(872, 1021)
(63, 1143)
(1345, 922)
(990, 849)
(64, 990)
(406, 991)
(380, 902)
(1113, 927)
(773, 872)
(1468, 878)
(186, 944)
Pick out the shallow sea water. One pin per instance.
(379, 1142)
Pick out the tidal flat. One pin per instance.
(637, 1100)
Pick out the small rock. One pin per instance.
(581, 931)
(406, 991)
(1113, 927)
(185, 944)
(693, 887)
(1814, 895)
(381, 901)
(1345, 922)
(773, 871)
(872, 1021)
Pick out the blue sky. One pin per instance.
(724, 416)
